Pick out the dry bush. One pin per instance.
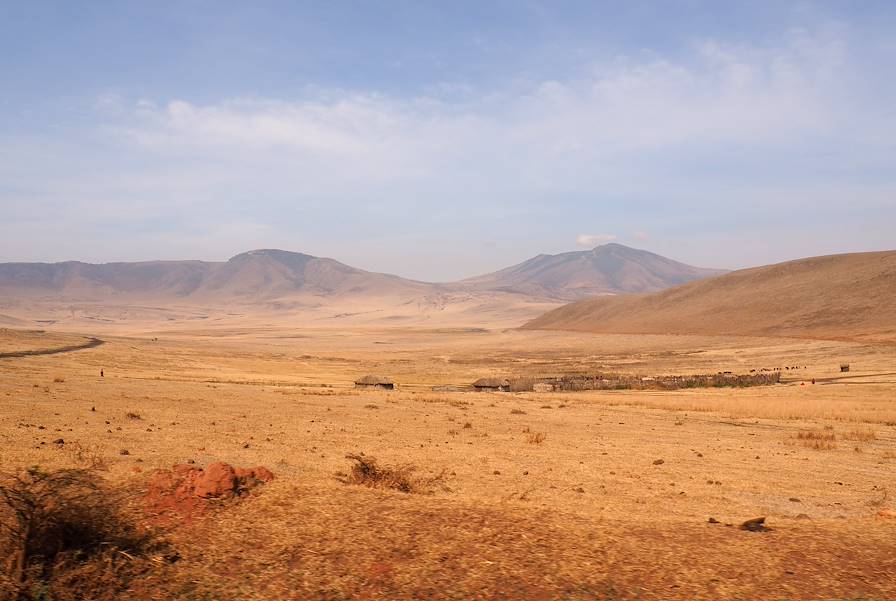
(820, 440)
(467, 425)
(535, 437)
(367, 471)
(65, 534)
(89, 456)
(861, 434)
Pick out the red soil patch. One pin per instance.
(186, 492)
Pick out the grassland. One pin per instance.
(586, 495)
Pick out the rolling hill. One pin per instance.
(838, 296)
(606, 269)
(275, 285)
(258, 275)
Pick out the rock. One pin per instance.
(755, 525)
(58, 441)
(124, 452)
(658, 462)
(795, 500)
(713, 521)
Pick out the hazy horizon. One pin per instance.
(441, 142)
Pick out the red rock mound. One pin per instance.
(186, 491)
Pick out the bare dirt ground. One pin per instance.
(591, 495)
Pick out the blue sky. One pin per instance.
(442, 140)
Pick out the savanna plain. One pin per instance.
(612, 494)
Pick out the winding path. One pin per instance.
(91, 343)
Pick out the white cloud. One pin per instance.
(641, 142)
(591, 240)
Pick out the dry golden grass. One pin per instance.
(535, 437)
(585, 513)
(860, 434)
(820, 440)
(67, 534)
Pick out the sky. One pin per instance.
(441, 140)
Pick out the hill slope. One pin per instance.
(607, 269)
(837, 296)
(257, 274)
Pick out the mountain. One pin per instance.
(607, 269)
(838, 296)
(275, 285)
(256, 275)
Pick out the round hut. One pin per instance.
(492, 385)
(371, 381)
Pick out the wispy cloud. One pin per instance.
(699, 142)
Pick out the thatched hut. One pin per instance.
(492, 385)
(371, 381)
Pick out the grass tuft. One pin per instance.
(367, 471)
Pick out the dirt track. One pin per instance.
(91, 343)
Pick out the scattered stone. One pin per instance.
(794, 500)
(580, 490)
(803, 516)
(124, 452)
(713, 521)
(755, 525)
(59, 441)
(245, 445)
(658, 462)
(496, 473)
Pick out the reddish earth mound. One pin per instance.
(186, 491)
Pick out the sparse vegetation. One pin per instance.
(367, 471)
(860, 434)
(68, 535)
(535, 437)
(820, 440)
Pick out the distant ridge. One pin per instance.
(260, 274)
(837, 296)
(266, 274)
(607, 269)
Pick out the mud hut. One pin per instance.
(492, 385)
(371, 381)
